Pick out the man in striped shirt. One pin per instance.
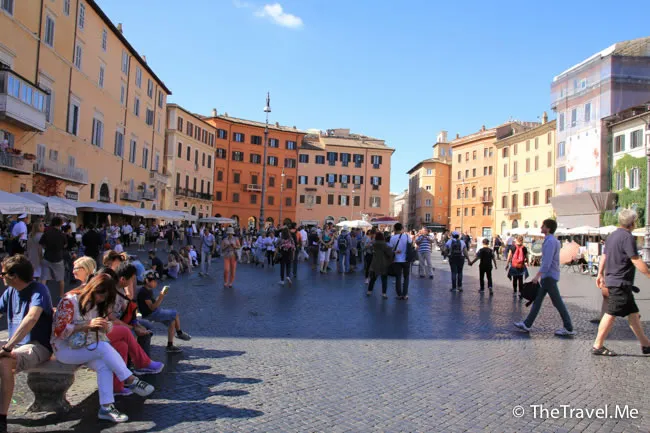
(424, 242)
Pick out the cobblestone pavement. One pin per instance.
(320, 356)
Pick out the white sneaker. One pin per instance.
(562, 332)
(140, 387)
(522, 326)
(289, 281)
(281, 283)
(110, 413)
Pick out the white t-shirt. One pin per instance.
(401, 247)
(20, 229)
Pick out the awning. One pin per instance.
(12, 204)
(54, 204)
(99, 207)
(216, 220)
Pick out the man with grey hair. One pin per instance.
(616, 274)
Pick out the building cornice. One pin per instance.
(526, 135)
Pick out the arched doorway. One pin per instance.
(141, 205)
(104, 193)
(252, 222)
(515, 224)
(526, 225)
(153, 206)
(535, 224)
(193, 211)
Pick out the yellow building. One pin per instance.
(82, 115)
(525, 177)
(189, 159)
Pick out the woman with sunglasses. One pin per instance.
(83, 268)
(79, 337)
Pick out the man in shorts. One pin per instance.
(28, 307)
(54, 242)
(616, 273)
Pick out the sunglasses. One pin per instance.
(2, 274)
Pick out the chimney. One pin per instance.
(483, 128)
(544, 118)
(225, 114)
(144, 58)
(457, 136)
(277, 124)
(119, 27)
(442, 137)
(214, 112)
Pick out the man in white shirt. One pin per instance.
(126, 231)
(509, 243)
(399, 243)
(19, 235)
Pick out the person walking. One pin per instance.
(287, 249)
(399, 242)
(616, 273)
(549, 275)
(34, 250)
(497, 245)
(382, 257)
(343, 242)
(423, 241)
(53, 242)
(516, 265)
(208, 245)
(368, 250)
(486, 257)
(229, 246)
(456, 251)
(269, 245)
(325, 250)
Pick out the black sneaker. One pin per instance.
(173, 349)
(183, 336)
(460, 289)
(452, 289)
(481, 290)
(645, 350)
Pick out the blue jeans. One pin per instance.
(549, 285)
(456, 265)
(344, 260)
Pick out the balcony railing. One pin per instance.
(138, 195)
(148, 195)
(186, 192)
(21, 102)
(11, 162)
(486, 199)
(51, 168)
(159, 177)
(513, 211)
(253, 187)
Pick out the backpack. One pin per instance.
(455, 249)
(287, 244)
(343, 243)
(518, 258)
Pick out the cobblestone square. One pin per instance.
(321, 356)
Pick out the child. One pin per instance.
(193, 256)
(486, 256)
(150, 309)
(118, 246)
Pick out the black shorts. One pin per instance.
(621, 302)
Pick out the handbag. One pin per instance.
(85, 339)
(394, 268)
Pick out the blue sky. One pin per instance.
(400, 71)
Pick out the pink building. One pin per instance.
(342, 176)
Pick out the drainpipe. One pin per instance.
(38, 46)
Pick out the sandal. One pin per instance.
(603, 351)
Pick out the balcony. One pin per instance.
(375, 187)
(61, 171)
(253, 187)
(148, 195)
(159, 177)
(130, 195)
(513, 212)
(344, 185)
(21, 102)
(515, 178)
(15, 163)
(186, 192)
(486, 199)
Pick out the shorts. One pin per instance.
(621, 302)
(163, 316)
(29, 355)
(52, 271)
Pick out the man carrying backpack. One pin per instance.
(549, 274)
(344, 241)
(456, 252)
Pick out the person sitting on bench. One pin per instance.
(28, 307)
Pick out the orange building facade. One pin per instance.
(82, 115)
(239, 153)
(342, 176)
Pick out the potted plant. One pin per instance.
(29, 156)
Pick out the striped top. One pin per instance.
(424, 244)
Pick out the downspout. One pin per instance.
(74, 44)
(38, 46)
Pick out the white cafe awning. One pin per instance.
(99, 207)
(12, 204)
(55, 205)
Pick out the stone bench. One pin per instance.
(49, 382)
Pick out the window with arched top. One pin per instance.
(515, 224)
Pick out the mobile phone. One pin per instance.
(165, 290)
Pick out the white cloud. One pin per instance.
(276, 14)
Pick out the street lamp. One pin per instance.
(281, 190)
(267, 110)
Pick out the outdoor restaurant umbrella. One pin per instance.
(54, 204)
(12, 204)
(383, 221)
(607, 230)
(583, 230)
(216, 220)
(355, 224)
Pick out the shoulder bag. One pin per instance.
(394, 268)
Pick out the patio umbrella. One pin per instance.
(54, 204)
(216, 220)
(639, 233)
(583, 230)
(607, 230)
(354, 224)
(383, 221)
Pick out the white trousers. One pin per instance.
(324, 256)
(104, 360)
